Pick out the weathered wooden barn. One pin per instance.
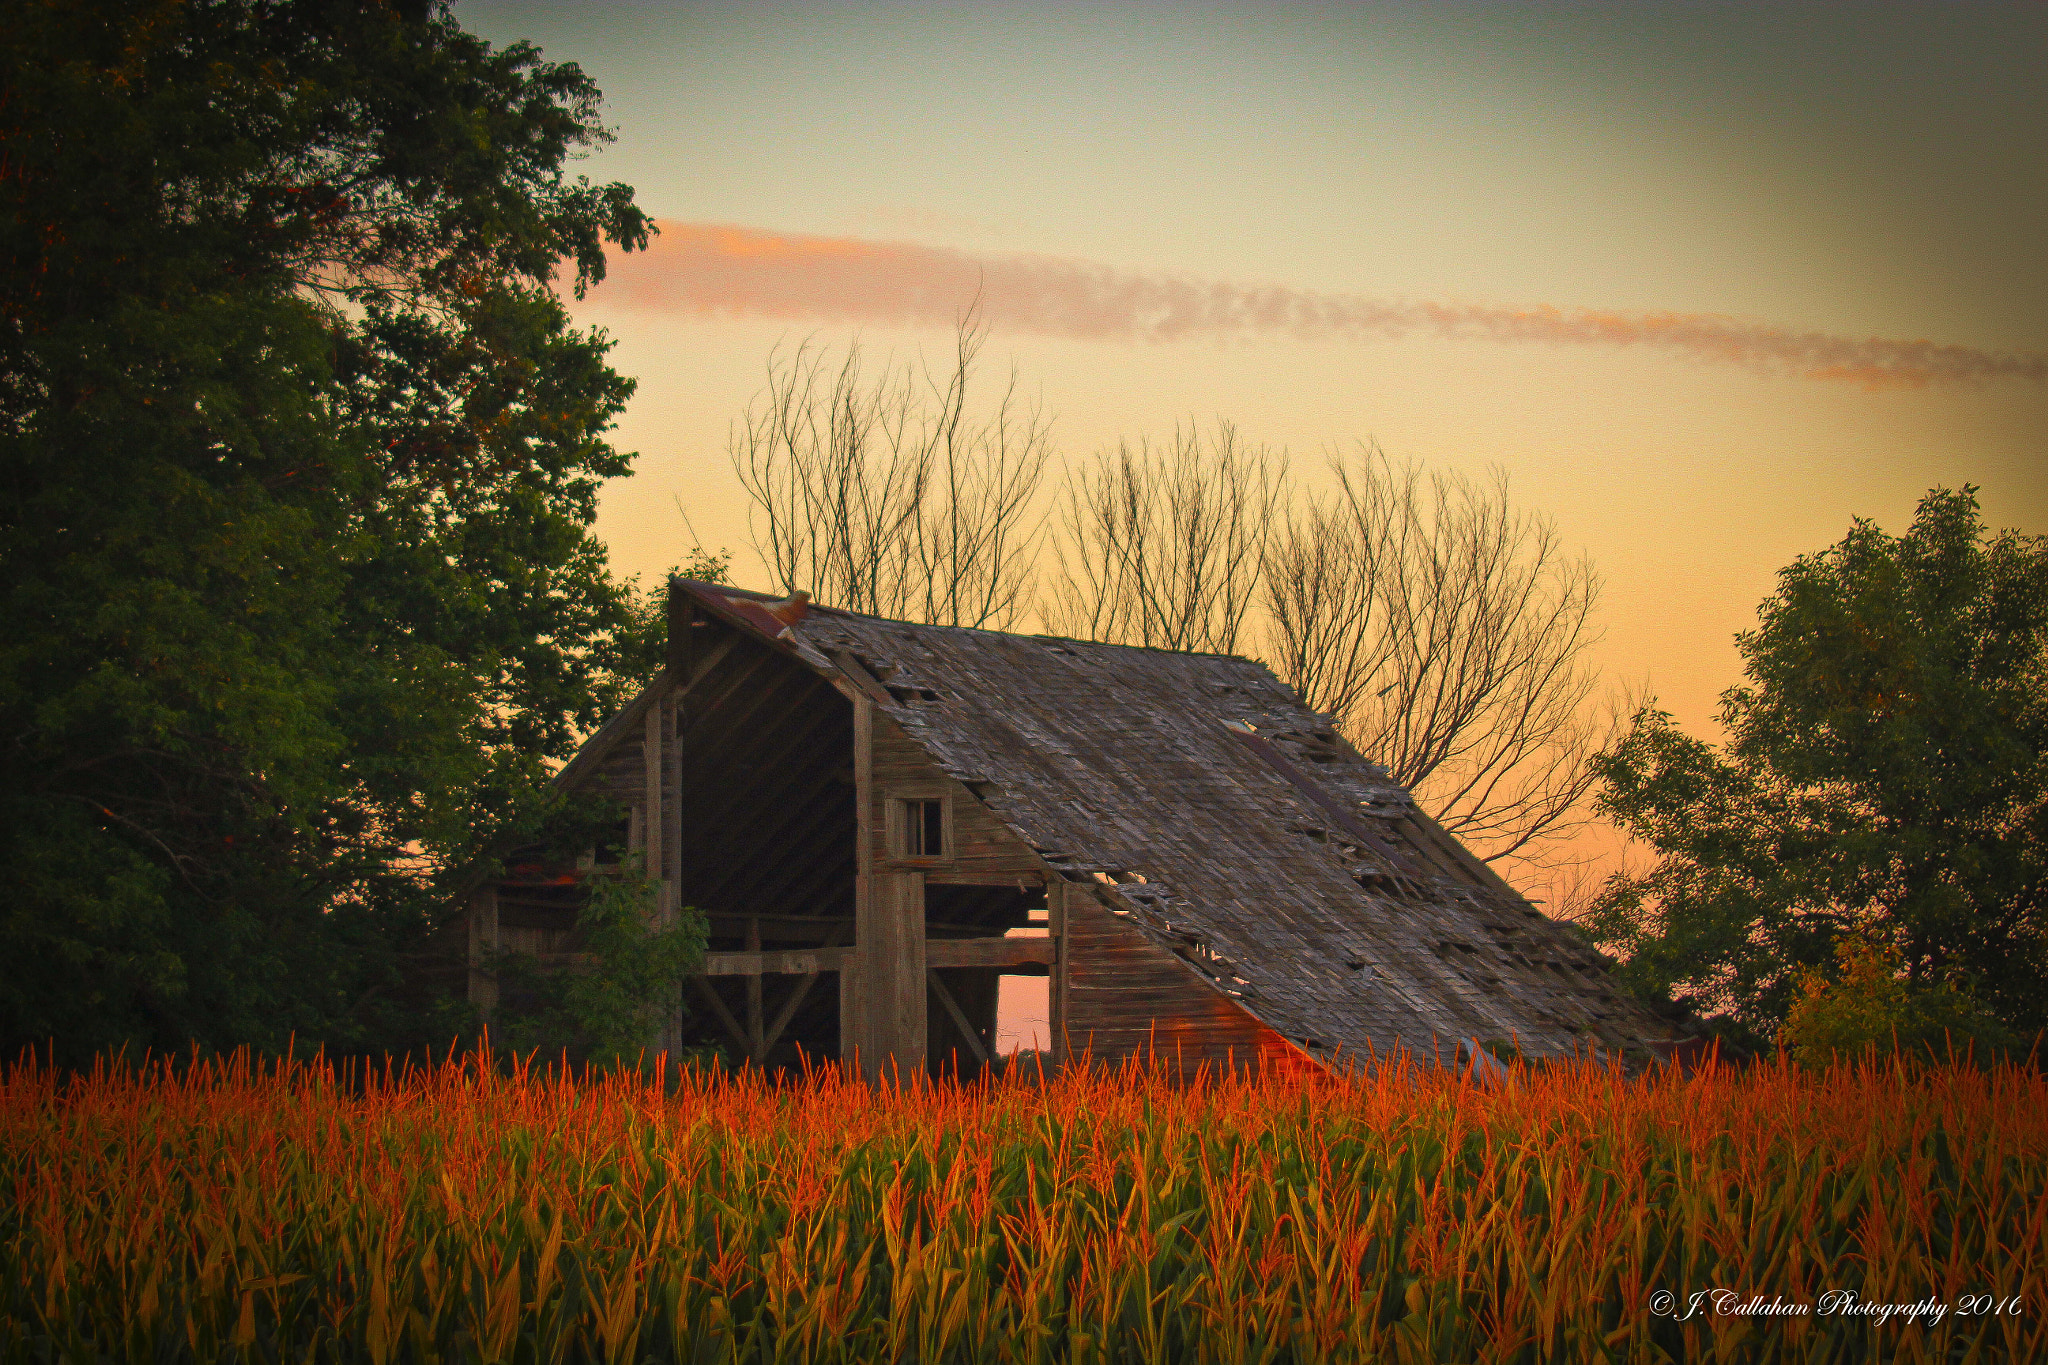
(881, 819)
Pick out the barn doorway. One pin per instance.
(967, 1008)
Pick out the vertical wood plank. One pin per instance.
(1056, 986)
(671, 805)
(856, 987)
(893, 970)
(889, 946)
(849, 1013)
(668, 891)
(652, 764)
(911, 1023)
(757, 1046)
(484, 939)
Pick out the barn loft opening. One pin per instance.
(762, 842)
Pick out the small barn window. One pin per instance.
(924, 829)
(918, 817)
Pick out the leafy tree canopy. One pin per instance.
(298, 594)
(1884, 779)
(608, 1011)
(1868, 1006)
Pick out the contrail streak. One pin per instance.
(711, 269)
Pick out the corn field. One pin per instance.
(296, 1211)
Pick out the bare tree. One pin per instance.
(1163, 546)
(1448, 634)
(1573, 889)
(889, 497)
(1445, 631)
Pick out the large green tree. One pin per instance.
(1884, 779)
(299, 456)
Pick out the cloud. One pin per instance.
(712, 269)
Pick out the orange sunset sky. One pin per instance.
(1706, 280)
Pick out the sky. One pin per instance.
(1706, 281)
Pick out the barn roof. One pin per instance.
(1232, 825)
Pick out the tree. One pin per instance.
(1868, 1005)
(610, 1007)
(301, 458)
(1164, 545)
(1447, 632)
(890, 498)
(1444, 631)
(1884, 781)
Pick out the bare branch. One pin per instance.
(1448, 634)
(1163, 546)
(892, 498)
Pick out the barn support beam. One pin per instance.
(660, 828)
(733, 1031)
(886, 1014)
(782, 962)
(999, 953)
(652, 752)
(484, 942)
(890, 945)
(854, 1043)
(1056, 897)
(757, 1041)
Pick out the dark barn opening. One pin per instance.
(766, 848)
(960, 1007)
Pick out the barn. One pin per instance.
(881, 820)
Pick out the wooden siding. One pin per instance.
(983, 844)
(1126, 994)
